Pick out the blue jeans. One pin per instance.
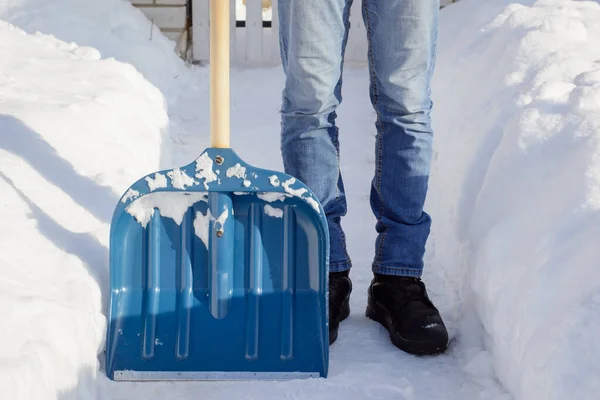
(402, 37)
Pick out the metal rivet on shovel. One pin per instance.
(220, 233)
(219, 160)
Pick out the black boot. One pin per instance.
(402, 306)
(340, 287)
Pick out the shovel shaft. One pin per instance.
(219, 74)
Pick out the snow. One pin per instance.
(272, 196)
(90, 104)
(515, 188)
(220, 220)
(179, 179)
(204, 169)
(170, 204)
(237, 170)
(273, 211)
(130, 195)
(300, 193)
(114, 30)
(201, 226)
(158, 182)
(274, 180)
(313, 203)
(294, 192)
(76, 130)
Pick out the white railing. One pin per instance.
(256, 45)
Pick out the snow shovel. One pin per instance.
(218, 269)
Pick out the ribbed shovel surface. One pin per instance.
(218, 271)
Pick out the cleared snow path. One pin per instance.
(364, 364)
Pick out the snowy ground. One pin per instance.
(364, 364)
(515, 196)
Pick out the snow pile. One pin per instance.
(114, 27)
(118, 30)
(515, 191)
(75, 131)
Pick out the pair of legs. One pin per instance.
(402, 36)
(402, 39)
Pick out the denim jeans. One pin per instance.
(402, 37)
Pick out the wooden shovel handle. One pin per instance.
(220, 102)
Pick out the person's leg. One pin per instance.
(313, 35)
(402, 38)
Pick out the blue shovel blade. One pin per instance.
(218, 271)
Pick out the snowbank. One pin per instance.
(75, 131)
(516, 189)
(114, 27)
(118, 30)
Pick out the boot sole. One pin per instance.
(345, 313)
(424, 348)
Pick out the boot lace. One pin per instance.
(408, 290)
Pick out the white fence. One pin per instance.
(250, 45)
(255, 45)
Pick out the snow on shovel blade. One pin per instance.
(219, 270)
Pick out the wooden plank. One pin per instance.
(239, 52)
(166, 17)
(274, 42)
(201, 30)
(254, 32)
(173, 35)
(232, 32)
(171, 2)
